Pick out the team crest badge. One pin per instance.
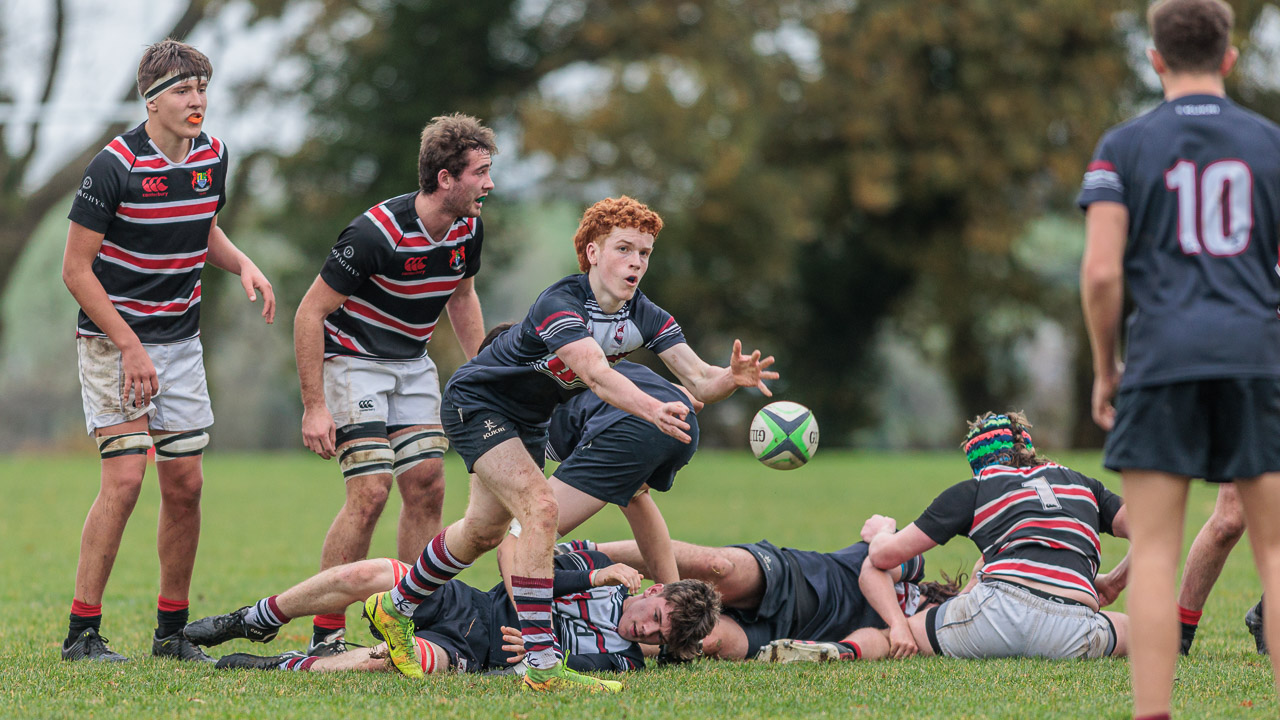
(457, 259)
(201, 180)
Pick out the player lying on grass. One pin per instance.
(1037, 595)
(461, 628)
(496, 406)
(770, 592)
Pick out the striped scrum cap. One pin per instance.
(991, 441)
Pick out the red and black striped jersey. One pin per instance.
(155, 215)
(397, 279)
(1039, 523)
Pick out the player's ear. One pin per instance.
(1157, 61)
(1228, 61)
(444, 179)
(592, 251)
(654, 589)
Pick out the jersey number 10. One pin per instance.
(1216, 214)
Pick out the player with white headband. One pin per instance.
(143, 225)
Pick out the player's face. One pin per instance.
(468, 190)
(645, 620)
(180, 109)
(620, 260)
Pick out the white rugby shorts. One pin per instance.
(181, 403)
(395, 392)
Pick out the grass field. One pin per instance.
(265, 517)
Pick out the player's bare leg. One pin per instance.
(1156, 505)
(352, 530)
(1261, 500)
(104, 525)
(1120, 622)
(733, 571)
(178, 532)
(332, 590)
(422, 492)
(1208, 554)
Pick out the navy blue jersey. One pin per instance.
(520, 375)
(155, 215)
(1201, 179)
(1039, 523)
(397, 279)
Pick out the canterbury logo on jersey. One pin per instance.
(155, 184)
(415, 265)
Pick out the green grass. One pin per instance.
(265, 517)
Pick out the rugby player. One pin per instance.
(1182, 210)
(771, 593)
(496, 407)
(1037, 525)
(370, 392)
(463, 629)
(143, 225)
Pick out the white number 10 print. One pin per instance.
(1216, 214)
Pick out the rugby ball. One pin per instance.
(784, 435)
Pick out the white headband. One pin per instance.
(167, 81)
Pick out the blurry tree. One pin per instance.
(821, 162)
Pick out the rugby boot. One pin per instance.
(787, 651)
(217, 629)
(386, 623)
(1253, 621)
(559, 677)
(335, 643)
(178, 647)
(89, 645)
(245, 661)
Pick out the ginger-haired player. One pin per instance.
(495, 411)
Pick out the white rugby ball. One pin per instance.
(784, 435)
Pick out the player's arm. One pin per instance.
(225, 255)
(710, 383)
(877, 587)
(465, 317)
(319, 433)
(585, 358)
(83, 246)
(653, 538)
(1102, 296)
(890, 549)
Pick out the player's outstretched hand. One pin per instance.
(254, 282)
(670, 420)
(1104, 392)
(139, 376)
(513, 642)
(877, 524)
(751, 370)
(617, 574)
(901, 643)
(319, 433)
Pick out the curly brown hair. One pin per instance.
(168, 56)
(693, 608)
(1191, 35)
(446, 143)
(600, 219)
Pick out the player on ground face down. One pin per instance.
(1182, 210)
(1037, 524)
(495, 410)
(770, 593)
(608, 456)
(143, 225)
(463, 629)
(370, 393)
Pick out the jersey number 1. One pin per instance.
(1217, 213)
(1044, 492)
